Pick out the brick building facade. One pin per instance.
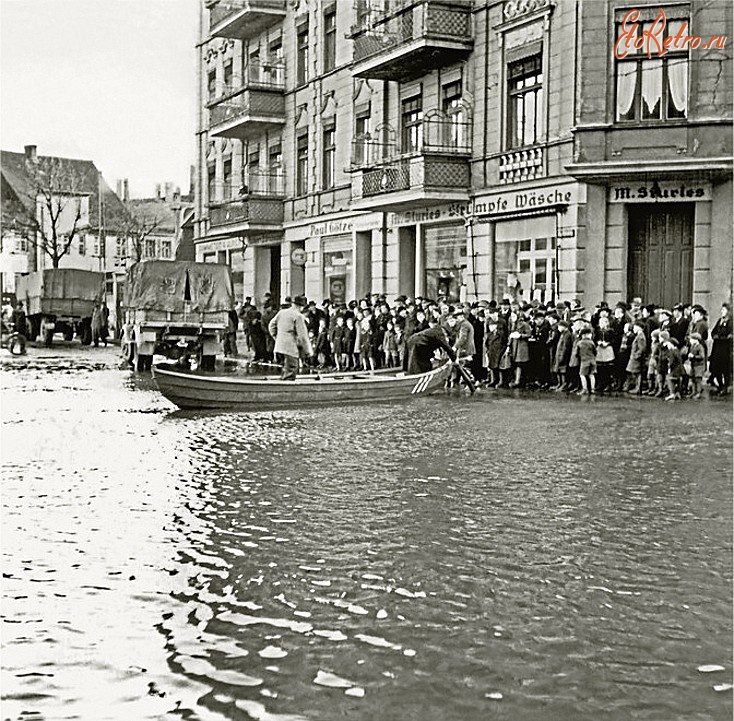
(475, 149)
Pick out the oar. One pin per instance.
(465, 375)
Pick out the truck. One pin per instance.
(175, 307)
(60, 300)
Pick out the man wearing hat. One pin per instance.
(288, 327)
(638, 353)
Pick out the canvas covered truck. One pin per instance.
(175, 307)
(60, 300)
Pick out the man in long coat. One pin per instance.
(288, 327)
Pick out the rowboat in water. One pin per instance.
(196, 390)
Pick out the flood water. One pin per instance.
(520, 557)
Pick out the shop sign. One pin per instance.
(298, 256)
(486, 209)
(659, 192)
(331, 227)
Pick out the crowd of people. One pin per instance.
(633, 348)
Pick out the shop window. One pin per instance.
(337, 267)
(302, 165)
(650, 87)
(329, 158)
(330, 39)
(302, 54)
(444, 249)
(412, 124)
(525, 102)
(525, 269)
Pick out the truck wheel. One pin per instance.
(207, 362)
(85, 332)
(16, 344)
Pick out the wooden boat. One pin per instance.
(195, 390)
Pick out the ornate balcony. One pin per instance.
(256, 206)
(243, 110)
(244, 19)
(404, 40)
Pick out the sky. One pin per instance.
(112, 81)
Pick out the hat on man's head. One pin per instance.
(698, 308)
(664, 311)
(492, 304)
(401, 298)
(458, 313)
(621, 304)
(679, 307)
(300, 300)
(505, 301)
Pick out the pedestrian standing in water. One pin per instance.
(422, 345)
(288, 328)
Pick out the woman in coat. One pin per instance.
(495, 342)
(720, 362)
(520, 351)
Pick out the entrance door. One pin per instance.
(275, 273)
(660, 266)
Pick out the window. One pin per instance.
(525, 269)
(453, 108)
(211, 83)
(227, 77)
(273, 68)
(252, 179)
(275, 169)
(227, 179)
(149, 249)
(362, 138)
(254, 69)
(302, 165)
(653, 88)
(120, 248)
(302, 54)
(97, 248)
(525, 102)
(82, 245)
(412, 124)
(211, 183)
(165, 249)
(329, 158)
(329, 39)
(21, 245)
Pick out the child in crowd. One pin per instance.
(562, 356)
(390, 346)
(574, 362)
(338, 344)
(366, 353)
(400, 346)
(654, 381)
(322, 345)
(697, 361)
(638, 350)
(675, 368)
(604, 354)
(586, 349)
(350, 347)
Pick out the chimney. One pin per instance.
(119, 189)
(192, 180)
(30, 154)
(168, 192)
(157, 191)
(125, 190)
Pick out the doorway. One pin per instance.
(660, 264)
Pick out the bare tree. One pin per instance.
(137, 229)
(52, 209)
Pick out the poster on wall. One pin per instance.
(338, 289)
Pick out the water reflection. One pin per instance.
(441, 559)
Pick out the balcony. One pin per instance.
(244, 19)
(257, 205)
(519, 165)
(405, 40)
(243, 109)
(436, 171)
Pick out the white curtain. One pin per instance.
(652, 88)
(626, 83)
(678, 82)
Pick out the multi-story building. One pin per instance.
(57, 212)
(472, 149)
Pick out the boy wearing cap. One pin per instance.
(675, 368)
(697, 363)
(587, 361)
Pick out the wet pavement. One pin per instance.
(506, 556)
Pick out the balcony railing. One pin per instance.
(266, 75)
(248, 112)
(400, 41)
(519, 165)
(423, 173)
(440, 133)
(243, 19)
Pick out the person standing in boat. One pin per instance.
(288, 327)
(421, 346)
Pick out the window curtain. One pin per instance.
(652, 88)
(626, 83)
(678, 82)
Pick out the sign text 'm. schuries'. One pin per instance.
(661, 192)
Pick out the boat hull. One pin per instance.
(197, 391)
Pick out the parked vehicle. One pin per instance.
(60, 300)
(173, 308)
